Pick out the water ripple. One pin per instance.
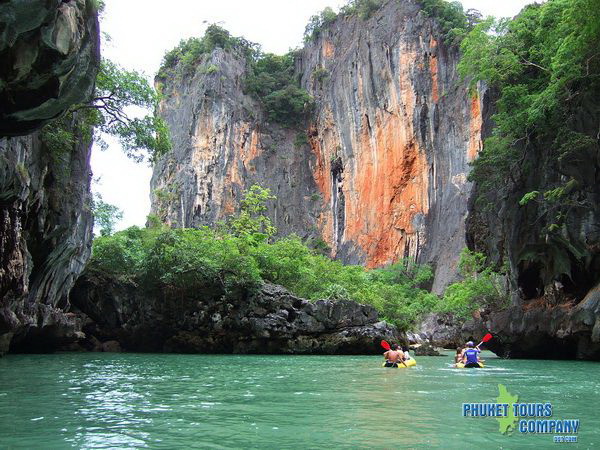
(180, 401)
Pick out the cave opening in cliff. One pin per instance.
(530, 280)
(34, 340)
(541, 346)
(579, 283)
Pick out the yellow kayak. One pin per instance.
(462, 366)
(410, 363)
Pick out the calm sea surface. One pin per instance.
(93, 400)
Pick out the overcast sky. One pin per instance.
(143, 30)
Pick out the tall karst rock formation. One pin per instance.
(50, 55)
(382, 174)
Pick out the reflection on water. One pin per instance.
(210, 401)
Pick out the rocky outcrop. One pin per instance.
(440, 329)
(425, 348)
(541, 330)
(535, 330)
(45, 238)
(270, 320)
(50, 57)
(384, 173)
(50, 52)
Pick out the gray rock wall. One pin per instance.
(222, 144)
(45, 239)
(553, 275)
(270, 320)
(49, 51)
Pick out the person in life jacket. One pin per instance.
(471, 355)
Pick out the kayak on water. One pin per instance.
(470, 366)
(410, 363)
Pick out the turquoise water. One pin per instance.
(96, 400)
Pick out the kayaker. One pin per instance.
(459, 355)
(406, 353)
(471, 355)
(393, 356)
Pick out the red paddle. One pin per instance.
(486, 338)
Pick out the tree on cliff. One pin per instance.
(185, 57)
(271, 81)
(251, 222)
(119, 97)
(106, 216)
(117, 92)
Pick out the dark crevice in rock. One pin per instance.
(530, 281)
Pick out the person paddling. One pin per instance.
(458, 356)
(471, 355)
(393, 357)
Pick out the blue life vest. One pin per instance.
(471, 355)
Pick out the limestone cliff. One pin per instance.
(50, 55)
(49, 51)
(554, 276)
(383, 175)
(45, 239)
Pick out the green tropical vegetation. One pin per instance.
(362, 8)
(185, 57)
(242, 253)
(545, 64)
(454, 21)
(320, 74)
(106, 215)
(544, 67)
(452, 18)
(481, 287)
(301, 139)
(116, 90)
(271, 80)
(318, 23)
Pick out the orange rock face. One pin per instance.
(328, 50)
(476, 124)
(384, 176)
(392, 139)
(385, 183)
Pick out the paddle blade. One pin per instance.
(487, 337)
(385, 345)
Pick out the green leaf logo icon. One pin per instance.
(508, 423)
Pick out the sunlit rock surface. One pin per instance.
(384, 175)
